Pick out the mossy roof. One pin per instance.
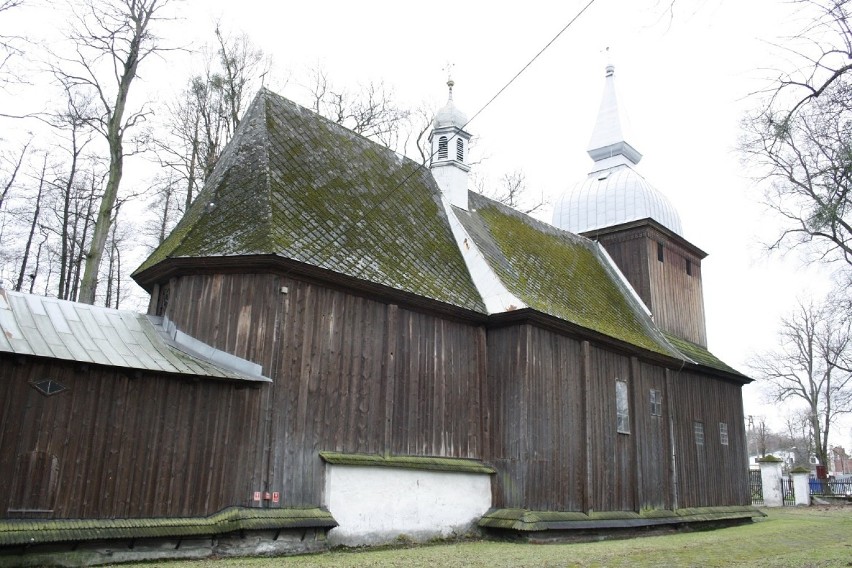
(526, 520)
(294, 184)
(432, 463)
(32, 531)
(558, 273)
(701, 355)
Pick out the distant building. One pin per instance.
(339, 339)
(840, 461)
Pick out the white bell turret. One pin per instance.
(449, 142)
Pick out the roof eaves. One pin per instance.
(701, 358)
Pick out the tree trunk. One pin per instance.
(139, 15)
(33, 225)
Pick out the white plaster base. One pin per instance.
(376, 505)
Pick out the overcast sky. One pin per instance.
(683, 78)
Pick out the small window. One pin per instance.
(442, 148)
(699, 433)
(723, 433)
(459, 150)
(688, 267)
(49, 387)
(622, 408)
(660, 252)
(162, 300)
(656, 403)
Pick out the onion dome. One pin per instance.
(611, 197)
(613, 193)
(449, 115)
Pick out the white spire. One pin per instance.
(609, 137)
(613, 193)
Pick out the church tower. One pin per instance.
(449, 143)
(637, 225)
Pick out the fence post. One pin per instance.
(801, 485)
(770, 476)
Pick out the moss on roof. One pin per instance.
(700, 355)
(32, 531)
(433, 463)
(294, 184)
(557, 273)
(526, 520)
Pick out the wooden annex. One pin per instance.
(324, 303)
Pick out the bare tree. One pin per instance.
(36, 209)
(512, 191)
(10, 45)
(15, 166)
(369, 111)
(110, 39)
(806, 165)
(206, 113)
(813, 364)
(243, 66)
(798, 436)
(798, 140)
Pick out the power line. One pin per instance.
(322, 251)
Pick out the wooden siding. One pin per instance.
(556, 449)
(673, 296)
(113, 446)
(536, 415)
(349, 374)
(710, 474)
(356, 375)
(653, 438)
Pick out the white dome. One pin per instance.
(449, 115)
(613, 196)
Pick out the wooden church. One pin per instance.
(344, 346)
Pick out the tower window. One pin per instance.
(660, 252)
(723, 433)
(442, 148)
(459, 150)
(688, 267)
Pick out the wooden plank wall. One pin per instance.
(534, 396)
(677, 297)
(613, 463)
(652, 432)
(711, 474)
(356, 375)
(673, 296)
(350, 374)
(536, 408)
(123, 447)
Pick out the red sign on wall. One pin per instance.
(257, 495)
(276, 497)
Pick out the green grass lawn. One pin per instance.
(816, 536)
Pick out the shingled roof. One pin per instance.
(296, 185)
(558, 273)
